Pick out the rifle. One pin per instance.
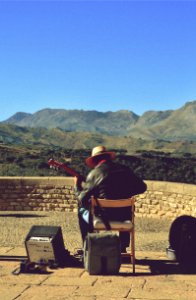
(55, 164)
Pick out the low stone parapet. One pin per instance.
(162, 199)
(167, 199)
(37, 193)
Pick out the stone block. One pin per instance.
(161, 213)
(173, 205)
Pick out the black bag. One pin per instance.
(182, 238)
(102, 253)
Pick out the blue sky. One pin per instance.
(96, 55)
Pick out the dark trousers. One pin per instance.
(85, 228)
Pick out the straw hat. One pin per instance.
(99, 150)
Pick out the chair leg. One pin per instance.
(133, 251)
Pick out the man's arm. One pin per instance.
(85, 191)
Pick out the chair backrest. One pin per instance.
(110, 203)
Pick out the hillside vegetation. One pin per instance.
(56, 137)
(149, 165)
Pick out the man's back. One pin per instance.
(114, 181)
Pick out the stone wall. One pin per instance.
(167, 199)
(162, 199)
(37, 193)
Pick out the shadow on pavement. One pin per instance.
(164, 267)
(156, 267)
(19, 215)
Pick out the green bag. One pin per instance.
(102, 253)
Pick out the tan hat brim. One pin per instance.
(90, 160)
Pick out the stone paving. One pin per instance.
(156, 278)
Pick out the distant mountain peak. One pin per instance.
(17, 117)
(193, 102)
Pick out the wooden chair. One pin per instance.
(120, 226)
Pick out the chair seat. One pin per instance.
(115, 225)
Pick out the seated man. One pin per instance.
(108, 180)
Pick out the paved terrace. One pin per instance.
(156, 278)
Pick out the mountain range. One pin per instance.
(169, 125)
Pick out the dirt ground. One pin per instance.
(151, 234)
